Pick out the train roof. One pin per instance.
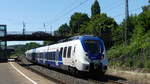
(76, 38)
(82, 37)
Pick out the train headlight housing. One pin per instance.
(87, 57)
(86, 54)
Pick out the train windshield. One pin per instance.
(92, 46)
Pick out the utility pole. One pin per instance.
(44, 26)
(24, 25)
(51, 32)
(126, 21)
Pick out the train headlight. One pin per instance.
(86, 54)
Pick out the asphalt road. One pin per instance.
(12, 73)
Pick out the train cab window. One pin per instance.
(92, 46)
(65, 50)
(69, 52)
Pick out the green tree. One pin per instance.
(32, 45)
(77, 19)
(102, 26)
(138, 33)
(48, 42)
(144, 20)
(117, 35)
(147, 7)
(132, 21)
(63, 30)
(136, 53)
(95, 9)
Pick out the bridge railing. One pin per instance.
(28, 32)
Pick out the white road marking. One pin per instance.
(22, 74)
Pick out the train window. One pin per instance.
(53, 55)
(60, 54)
(49, 55)
(40, 55)
(46, 55)
(65, 50)
(43, 55)
(69, 52)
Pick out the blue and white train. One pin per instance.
(80, 53)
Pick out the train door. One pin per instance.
(64, 55)
(60, 54)
(57, 57)
(73, 55)
(69, 51)
(44, 57)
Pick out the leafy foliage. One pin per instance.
(48, 42)
(136, 53)
(132, 21)
(63, 30)
(95, 9)
(144, 20)
(20, 49)
(100, 25)
(77, 19)
(32, 45)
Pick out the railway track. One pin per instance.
(62, 77)
(109, 79)
(119, 82)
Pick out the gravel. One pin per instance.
(61, 77)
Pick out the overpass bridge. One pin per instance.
(30, 36)
(24, 36)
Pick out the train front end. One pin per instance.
(95, 59)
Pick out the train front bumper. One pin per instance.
(93, 67)
(97, 67)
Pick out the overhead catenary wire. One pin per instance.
(65, 14)
(122, 14)
(113, 6)
(66, 8)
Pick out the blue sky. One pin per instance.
(56, 12)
